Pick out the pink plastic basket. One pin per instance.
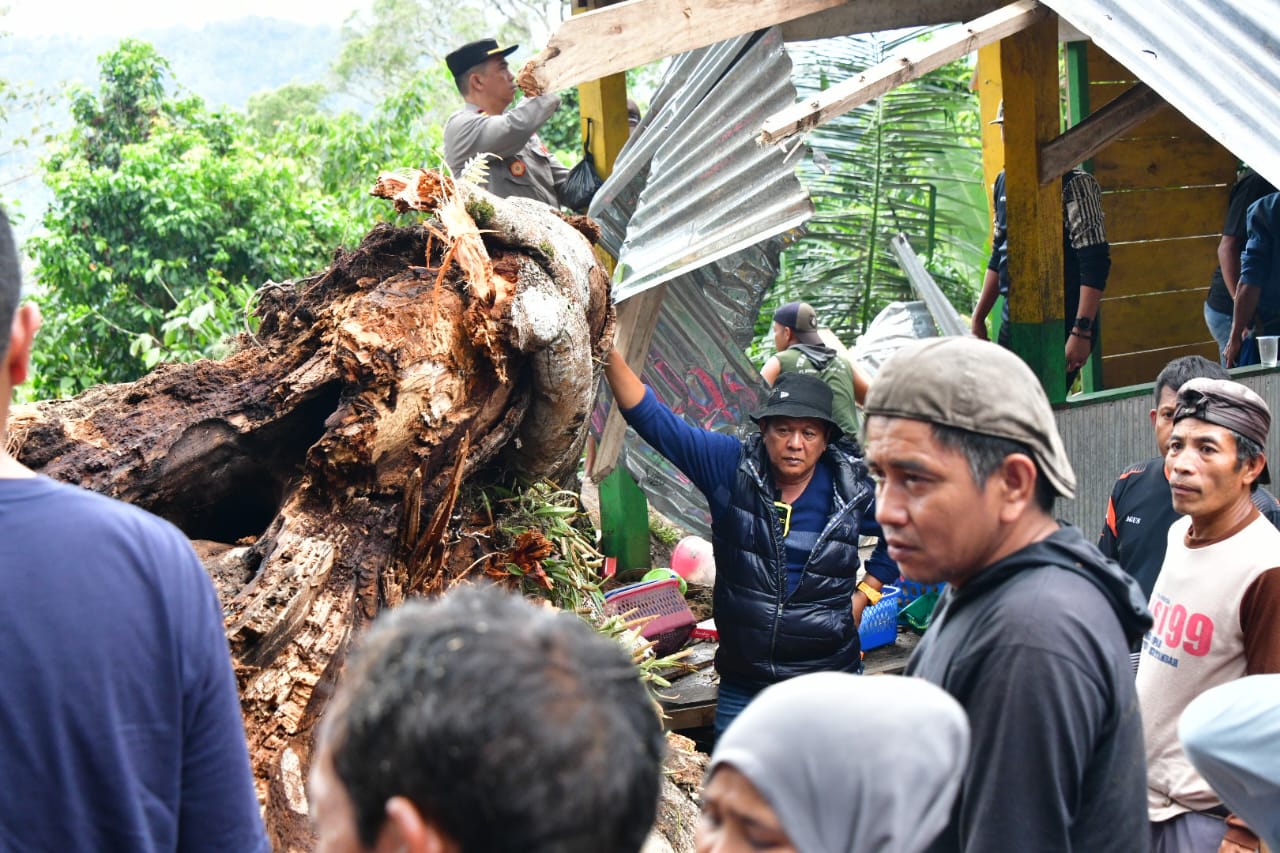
(673, 620)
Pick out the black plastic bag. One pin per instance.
(583, 181)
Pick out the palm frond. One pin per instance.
(476, 170)
(908, 162)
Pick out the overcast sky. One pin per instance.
(124, 17)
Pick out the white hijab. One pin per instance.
(852, 764)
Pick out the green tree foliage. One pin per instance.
(339, 156)
(24, 127)
(909, 162)
(269, 111)
(165, 219)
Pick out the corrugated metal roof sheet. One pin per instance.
(1216, 61)
(702, 187)
(695, 202)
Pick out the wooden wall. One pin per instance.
(1165, 187)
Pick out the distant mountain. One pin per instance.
(224, 63)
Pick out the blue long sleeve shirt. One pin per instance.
(710, 460)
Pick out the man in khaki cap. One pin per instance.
(1032, 636)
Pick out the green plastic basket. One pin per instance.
(917, 614)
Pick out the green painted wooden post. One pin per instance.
(624, 520)
(1077, 56)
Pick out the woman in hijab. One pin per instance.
(836, 763)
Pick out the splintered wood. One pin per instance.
(317, 468)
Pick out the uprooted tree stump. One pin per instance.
(317, 468)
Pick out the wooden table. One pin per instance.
(690, 702)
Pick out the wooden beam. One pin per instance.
(637, 318)
(873, 16)
(1090, 136)
(913, 61)
(636, 32)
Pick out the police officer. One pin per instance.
(519, 164)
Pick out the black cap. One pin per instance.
(799, 395)
(473, 53)
(800, 318)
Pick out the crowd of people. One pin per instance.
(1067, 696)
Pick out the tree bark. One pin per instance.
(318, 468)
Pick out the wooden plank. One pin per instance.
(869, 17)
(1155, 214)
(1147, 164)
(1158, 266)
(636, 32)
(637, 318)
(1140, 367)
(1153, 321)
(1029, 69)
(1166, 122)
(1090, 136)
(912, 61)
(1104, 67)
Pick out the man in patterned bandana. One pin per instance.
(1215, 604)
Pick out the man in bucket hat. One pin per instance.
(520, 165)
(1216, 603)
(787, 507)
(1032, 635)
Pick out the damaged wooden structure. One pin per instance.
(1165, 176)
(319, 468)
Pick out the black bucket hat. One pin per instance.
(798, 395)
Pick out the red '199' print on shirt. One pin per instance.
(1193, 632)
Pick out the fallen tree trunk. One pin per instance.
(317, 469)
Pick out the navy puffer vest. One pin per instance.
(766, 636)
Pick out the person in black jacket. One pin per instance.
(787, 507)
(1032, 635)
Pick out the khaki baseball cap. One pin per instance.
(978, 386)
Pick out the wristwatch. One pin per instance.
(873, 595)
(1084, 324)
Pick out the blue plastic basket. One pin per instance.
(880, 621)
(912, 590)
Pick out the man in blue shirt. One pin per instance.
(787, 508)
(1257, 303)
(120, 726)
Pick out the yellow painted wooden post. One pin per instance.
(624, 511)
(990, 92)
(1029, 72)
(604, 102)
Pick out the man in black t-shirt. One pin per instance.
(1140, 509)
(1248, 188)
